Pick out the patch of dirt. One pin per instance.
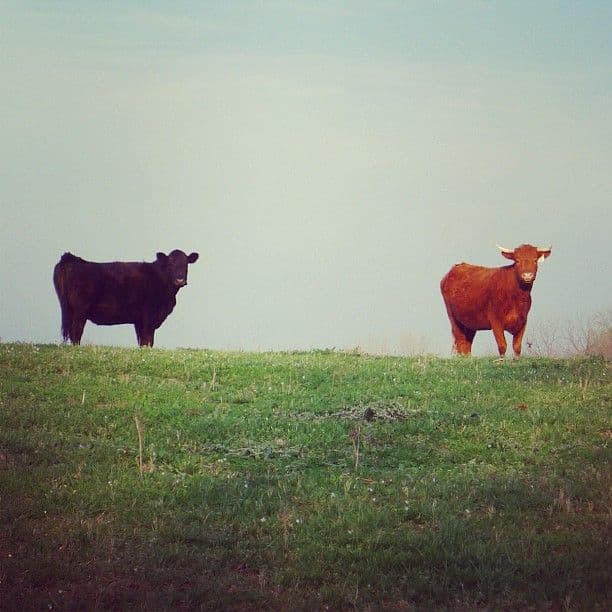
(382, 410)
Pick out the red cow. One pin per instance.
(143, 294)
(492, 298)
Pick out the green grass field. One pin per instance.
(155, 479)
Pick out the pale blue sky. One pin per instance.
(329, 160)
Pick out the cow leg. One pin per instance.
(140, 335)
(144, 334)
(463, 344)
(517, 341)
(462, 338)
(77, 325)
(498, 332)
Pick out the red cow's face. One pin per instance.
(526, 259)
(175, 266)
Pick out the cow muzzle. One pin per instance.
(180, 282)
(527, 277)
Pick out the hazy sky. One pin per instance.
(328, 160)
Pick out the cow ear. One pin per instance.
(543, 253)
(162, 258)
(193, 257)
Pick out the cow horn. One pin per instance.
(505, 250)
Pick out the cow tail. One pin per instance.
(59, 281)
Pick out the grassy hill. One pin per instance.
(135, 478)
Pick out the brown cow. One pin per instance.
(492, 298)
(140, 293)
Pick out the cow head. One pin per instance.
(174, 266)
(526, 259)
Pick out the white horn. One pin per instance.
(504, 250)
(543, 253)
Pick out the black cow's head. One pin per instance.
(174, 266)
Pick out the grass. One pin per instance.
(153, 479)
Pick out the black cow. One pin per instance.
(143, 294)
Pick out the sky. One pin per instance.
(329, 161)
